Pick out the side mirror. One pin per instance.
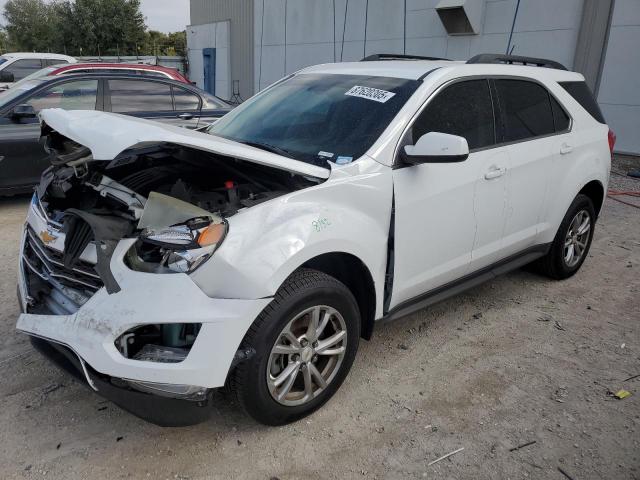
(6, 77)
(23, 111)
(436, 147)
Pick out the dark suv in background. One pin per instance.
(22, 158)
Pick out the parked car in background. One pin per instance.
(16, 66)
(132, 68)
(22, 157)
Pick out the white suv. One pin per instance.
(163, 263)
(16, 66)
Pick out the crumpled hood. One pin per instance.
(108, 134)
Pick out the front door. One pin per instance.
(440, 208)
(22, 157)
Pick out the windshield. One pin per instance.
(3, 60)
(15, 91)
(317, 118)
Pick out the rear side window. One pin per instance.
(526, 110)
(140, 96)
(560, 117)
(185, 100)
(52, 61)
(582, 94)
(462, 109)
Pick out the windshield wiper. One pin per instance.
(270, 148)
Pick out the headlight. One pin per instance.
(177, 249)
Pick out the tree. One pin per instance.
(158, 43)
(29, 24)
(4, 41)
(77, 27)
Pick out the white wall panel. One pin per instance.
(619, 95)
(212, 35)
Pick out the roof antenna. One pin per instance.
(513, 25)
(344, 27)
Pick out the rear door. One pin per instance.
(529, 133)
(154, 100)
(22, 157)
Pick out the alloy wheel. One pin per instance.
(307, 355)
(577, 238)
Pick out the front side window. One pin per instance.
(140, 96)
(76, 95)
(317, 118)
(463, 109)
(526, 109)
(22, 68)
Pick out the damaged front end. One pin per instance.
(106, 255)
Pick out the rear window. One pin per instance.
(582, 94)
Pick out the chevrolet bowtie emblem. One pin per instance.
(47, 237)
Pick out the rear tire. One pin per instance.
(572, 242)
(317, 359)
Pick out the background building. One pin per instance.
(252, 43)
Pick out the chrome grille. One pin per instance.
(67, 289)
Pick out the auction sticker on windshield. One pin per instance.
(370, 93)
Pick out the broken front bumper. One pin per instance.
(144, 298)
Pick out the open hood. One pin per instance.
(108, 134)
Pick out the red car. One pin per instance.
(130, 68)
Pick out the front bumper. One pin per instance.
(90, 332)
(161, 411)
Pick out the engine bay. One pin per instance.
(215, 183)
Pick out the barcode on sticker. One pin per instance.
(370, 93)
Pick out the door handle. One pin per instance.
(186, 116)
(565, 148)
(495, 172)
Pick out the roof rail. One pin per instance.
(511, 59)
(392, 56)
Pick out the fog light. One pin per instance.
(160, 354)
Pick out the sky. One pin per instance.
(164, 15)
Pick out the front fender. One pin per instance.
(349, 213)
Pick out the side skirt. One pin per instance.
(468, 281)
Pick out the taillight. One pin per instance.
(612, 141)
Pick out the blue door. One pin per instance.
(209, 61)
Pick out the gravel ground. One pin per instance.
(520, 359)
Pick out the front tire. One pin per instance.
(305, 342)
(572, 242)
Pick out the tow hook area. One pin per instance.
(242, 356)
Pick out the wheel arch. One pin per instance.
(353, 272)
(595, 191)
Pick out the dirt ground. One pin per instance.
(517, 360)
